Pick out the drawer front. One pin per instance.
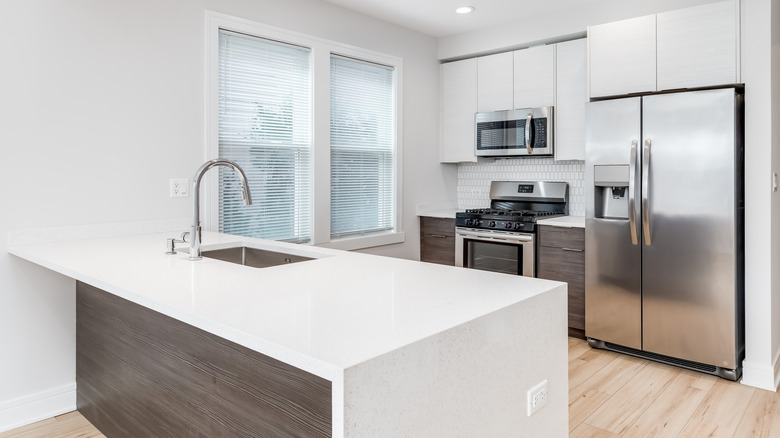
(437, 240)
(561, 261)
(569, 267)
(559, 237)
(437, 226)
(438, 249)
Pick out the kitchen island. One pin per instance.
(382, 346)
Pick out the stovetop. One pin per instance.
(520, 214)
(508, 220)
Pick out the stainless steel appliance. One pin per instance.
(520, 133)
(502, 238)
(664, 228)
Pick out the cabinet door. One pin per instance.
(571, 78)
(534, 77)
(562, 258)
(494, 82)
(437, 240)
(697, 46)
(458, 106)
(621, 57)
(568, 266)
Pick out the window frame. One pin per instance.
(321, 50)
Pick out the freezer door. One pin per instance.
(613, 307)
(689, 277)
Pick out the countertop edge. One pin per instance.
(564, 221)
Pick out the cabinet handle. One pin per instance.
(440, 236)
(572, 249)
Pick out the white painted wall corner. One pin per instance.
(36, 407)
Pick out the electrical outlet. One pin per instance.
(537, 397)
(179, 187)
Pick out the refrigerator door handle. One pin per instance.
(646, 192)
(632, 194)
(528, 146)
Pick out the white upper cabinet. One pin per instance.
(686, 48)
(534, 77)
(571, 83)
(551, 75)
(621, 57)
(458, 105)
(494, 82)
(697, 47)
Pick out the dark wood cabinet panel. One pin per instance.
(141, 373)
(437, 240)
(567, 266)
(562, 258)
(559, 237)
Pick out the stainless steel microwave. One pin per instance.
(526, 132)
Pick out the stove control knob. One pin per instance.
(492, 224)
(518, 226)
(469, 222)
(508, 225)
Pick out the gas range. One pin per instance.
(517, 205)
(502, 238)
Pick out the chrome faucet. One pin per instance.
(194, 234)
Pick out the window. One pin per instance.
(264, 103)
(316, 133)
(362, 145)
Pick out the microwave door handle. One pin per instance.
(528, 143)
(632, 194)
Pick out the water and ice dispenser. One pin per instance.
(611, 191)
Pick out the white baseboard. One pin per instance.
(36, 407)
(760, 376)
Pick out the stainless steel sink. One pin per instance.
(256, 258)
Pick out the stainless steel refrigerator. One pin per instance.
(664, 235)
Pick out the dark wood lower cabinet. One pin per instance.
(143, 374)
(562, 258)
(437, 240)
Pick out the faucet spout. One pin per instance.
(195, 232)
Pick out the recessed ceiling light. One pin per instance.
(464, 9)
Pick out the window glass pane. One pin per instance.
(264, 125)
(362, 142)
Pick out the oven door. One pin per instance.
(497, 251)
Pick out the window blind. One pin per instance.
(264, 97)
(362, 147)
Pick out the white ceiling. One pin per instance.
(438, 18)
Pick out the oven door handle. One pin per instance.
(515, 238)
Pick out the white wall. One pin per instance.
(775, 224)
(756, 72)
(103, 102)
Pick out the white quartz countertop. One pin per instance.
(322, 316)
(443, 214)
(564, 221)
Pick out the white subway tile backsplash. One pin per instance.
(474, 179)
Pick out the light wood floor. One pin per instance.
(610, 395)
(70, 425)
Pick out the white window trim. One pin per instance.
(321, 50)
